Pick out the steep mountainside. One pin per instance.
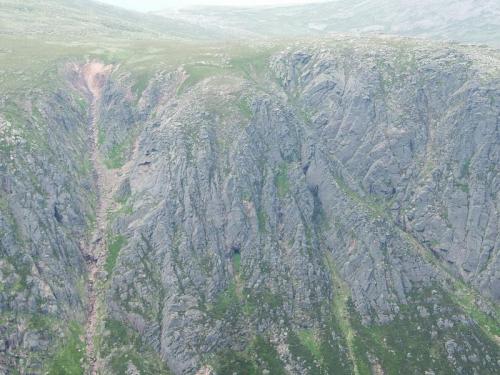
(327, 206)
(313, 208)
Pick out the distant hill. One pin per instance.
(82, 20)
(468, 21)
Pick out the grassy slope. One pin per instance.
(84, 20)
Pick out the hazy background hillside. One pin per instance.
(470, 21)
(81, 21)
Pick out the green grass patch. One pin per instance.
(141, 83)
(253, 63)
(238, 302)
(376, 207)
(322, 350)
(236, 260)
(121, 345)
(466, 300)
(197, 73)
(407, 341)
(68, 360)
(463, 187)
(309, 340)
(101, 136)
(261, 220)
(231, 362)
(258, 356)
(41, 322)
(281, 180)
(299, 350)
(465, 169)
(462, 295)
(341, 319)
(115, 244)
(116, 157)
(245, 108)
(125, 209)
(226, 301)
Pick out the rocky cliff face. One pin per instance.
(47, 204)
(418, 142)
(313, 208)
(331, 207)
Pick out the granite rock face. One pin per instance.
(46, 206)
(331, 202)
(427, 149)
(333, 212)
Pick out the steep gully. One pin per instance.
(93, 76)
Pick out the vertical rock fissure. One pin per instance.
(95, 258)
(106, 183)
(97, 246)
